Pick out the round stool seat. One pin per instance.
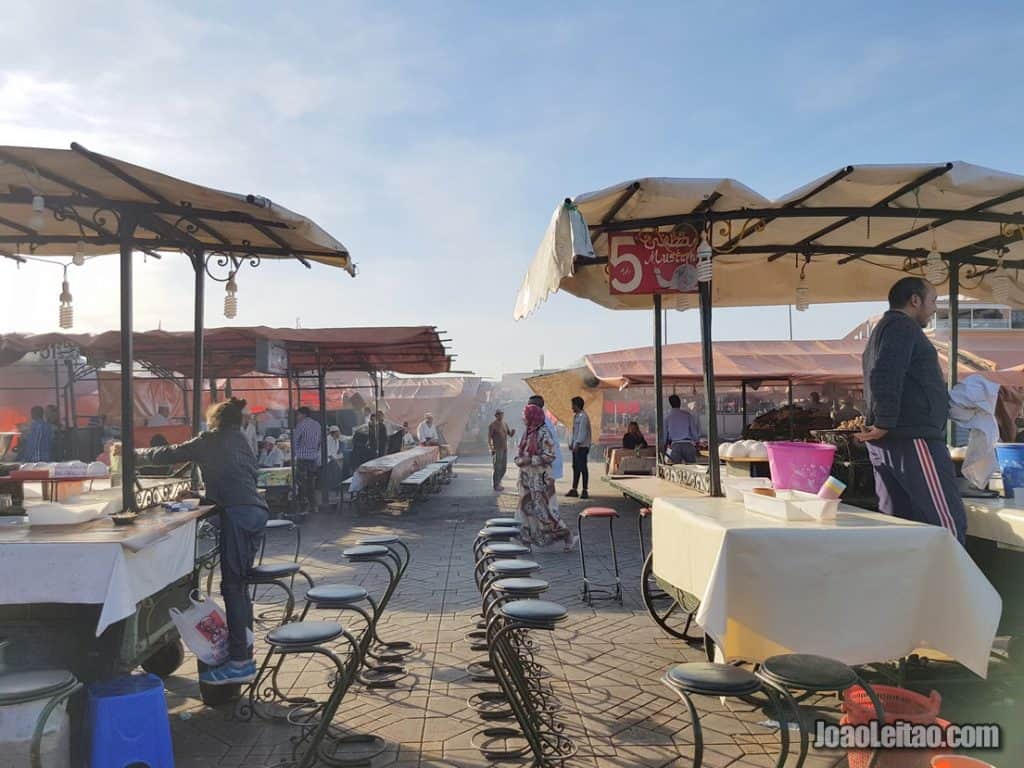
(382, 540)
(520, 586)
(513, 567)
(712, 679)
(366, 551)
(494, 532)
(18, 687)
(272, 571)
(506, 549)
(502, 522)
(341, 594)
(644, 512)
(277, 524)
(807, 671)
(534, 611)
(304, 633)
(599, 512)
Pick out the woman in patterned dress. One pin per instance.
(538, 504)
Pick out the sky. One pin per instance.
(436, 139)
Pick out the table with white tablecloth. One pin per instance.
(392, 469)
(862, 588)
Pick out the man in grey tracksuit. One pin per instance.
(906, 414)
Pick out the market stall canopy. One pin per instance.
(851, 233)
(60, 202)
(814, 362)
(233, 351)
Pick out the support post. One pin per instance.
(659, 390)
(743, 406)
(322, 392)
(377, 385)
(954, 336)
(126, 233)
(711, 404)
(69, 395)
(792, 426)
(198, 351)
(291, 438)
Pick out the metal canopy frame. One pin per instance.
(980, 257)
(137, 226)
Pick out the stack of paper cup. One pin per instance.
(832, 489)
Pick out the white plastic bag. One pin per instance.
(203, 627)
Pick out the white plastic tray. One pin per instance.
(791, 505)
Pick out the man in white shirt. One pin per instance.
(579, 444)
(334, 442)
(408, 438)
(427, 432)
(557, 465)
(270, 455)
(249, 430)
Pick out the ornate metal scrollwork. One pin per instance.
(229, 263)
(100, 217)
(158, 494)
(729, 244)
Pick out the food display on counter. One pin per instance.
(852, 425)
(743, 449)
(787, 423)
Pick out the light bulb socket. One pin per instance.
(802, 300)
(38, 203)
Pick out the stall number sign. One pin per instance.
(653, 262)
(272, 357)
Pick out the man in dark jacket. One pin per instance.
(906, 414)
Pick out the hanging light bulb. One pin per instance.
(1001, 286)
(231, 297)
(704, 254)
(38, 206)
(79, 258)
(802, 302)
(934, 269)
(684, 301)
(67, 312)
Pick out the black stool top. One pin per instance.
(712, 679)
(495, 532)
(336, 593)
(279, 524)
(506, 549)
(534, 611)
(520, 586)
(502, 522)
(808, 672)
(365, 551)
(19, 687)
(383, 539)
(513, 567)
(272, 571)
(304, 633)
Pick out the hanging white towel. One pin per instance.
(972, 404)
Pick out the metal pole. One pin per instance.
(954, 335)
(322, 386)
(198, 343)
(72, 406)
(659, 391)
(291, 438)
(377, 385)
(126, 232)
(707, 352)
(56, 383)
(792, 427)
(743, 406)
(213, 390)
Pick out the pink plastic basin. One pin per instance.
(800, 466)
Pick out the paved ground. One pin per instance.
(607, 660)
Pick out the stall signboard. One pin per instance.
(653, 262)
(272, 357)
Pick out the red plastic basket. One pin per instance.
(898, 703)
(896, 758)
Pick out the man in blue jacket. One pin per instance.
(906, 414)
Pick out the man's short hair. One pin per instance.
(536, 400)
(904, 290)
(674, 401)
(577, 401)
(37, 411)
(305, 411)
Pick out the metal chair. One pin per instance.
(278, 575)
(600, 513)
(390, 560)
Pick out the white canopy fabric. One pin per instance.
(84, 195)
(886, 215)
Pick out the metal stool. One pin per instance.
(51, 685)
(642, 513)
(349, 597)
(588, 590)
(282, 525)
(503, 522)
(276, 574)
(499, 569)
(389, 560)
(543, 736)
(492, 534)
(812, 674)
(494, 551)
(724, 680)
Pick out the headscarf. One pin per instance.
(530, 443)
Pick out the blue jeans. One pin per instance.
(241, 533)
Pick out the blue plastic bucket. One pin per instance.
(1011, 465)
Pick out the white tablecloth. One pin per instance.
(864, 588)
(998, 520)
(102, 573)
(393, 468)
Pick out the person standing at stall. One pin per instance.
(579, 446)
(36, 443)
(682, 431)
(306, 454)
(557, 465)
(498, 434)
(906, 414)
(228, 468)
